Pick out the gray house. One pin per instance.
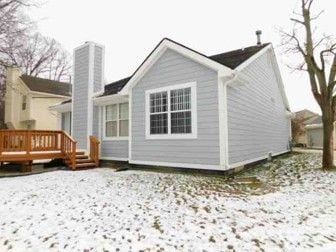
(181, 108)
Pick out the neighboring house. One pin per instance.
(314, 133)
(301, 119)
(182, 108)
(28, 98)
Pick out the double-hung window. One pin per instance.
(171, 112)
(116, 120)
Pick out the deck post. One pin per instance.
(28, 142)
(1, 141)
(73, 156)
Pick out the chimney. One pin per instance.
(258, 33)
(88, 76)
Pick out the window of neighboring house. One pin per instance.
(24, 102)
(171, 112)
(116, 120)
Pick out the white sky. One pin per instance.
(131, 29)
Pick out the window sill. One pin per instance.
(115, 138)
(171, 137)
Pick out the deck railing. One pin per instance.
(94, 149)
(68, 146)
(28, 141)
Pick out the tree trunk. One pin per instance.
(328, 143)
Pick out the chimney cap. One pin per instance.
(258, 33)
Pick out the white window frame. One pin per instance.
(169, 135)
(106, 138)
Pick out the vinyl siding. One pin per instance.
(115, 149)
(171, 69)
(98, 69)
(95, 121)
(80, 96)
(257, 121)
(110, 148)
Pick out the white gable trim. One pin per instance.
(275, 66)
(65, 107)
(157, 53)
(253, 58)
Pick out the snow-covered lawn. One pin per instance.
(293, 208)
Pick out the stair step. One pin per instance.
(79, 161)
(81, 157)
(85, 165)
(80, 152)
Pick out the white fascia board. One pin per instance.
(167, 44)
(314, 126)
(110, 99)
(253, 58)
(243, 79)
(66, 107)
(279, 78)
(48, 94)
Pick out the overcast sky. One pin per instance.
(131, 29)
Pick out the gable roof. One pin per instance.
(314, 120)
(231, 60)
(46, 86)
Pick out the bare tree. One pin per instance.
(319, 61)
(21, 46)
(43, 57)
(14, 24)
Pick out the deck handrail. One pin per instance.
(94, 149)
(38, 140)
(68, 146)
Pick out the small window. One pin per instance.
(171, 112)
(116, 120)
(24, 102)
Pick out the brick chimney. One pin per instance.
(88, 76)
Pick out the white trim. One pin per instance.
(90, 92)
(249, 161)
(103, 69)
(253, 58)
(130, 125)
(122, 138)
(160, 49)
(110, 99)
(66, 107)
(177, 165)
(314, 126)
(223, 127)
(73, 87)
(169, 135)
(116, 138)
(49, 94)
(114, 158)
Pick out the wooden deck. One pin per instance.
(28, 145)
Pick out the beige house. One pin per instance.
(301, 119)
(28, 98)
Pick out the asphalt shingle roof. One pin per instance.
(47, 86)
(231, 59)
